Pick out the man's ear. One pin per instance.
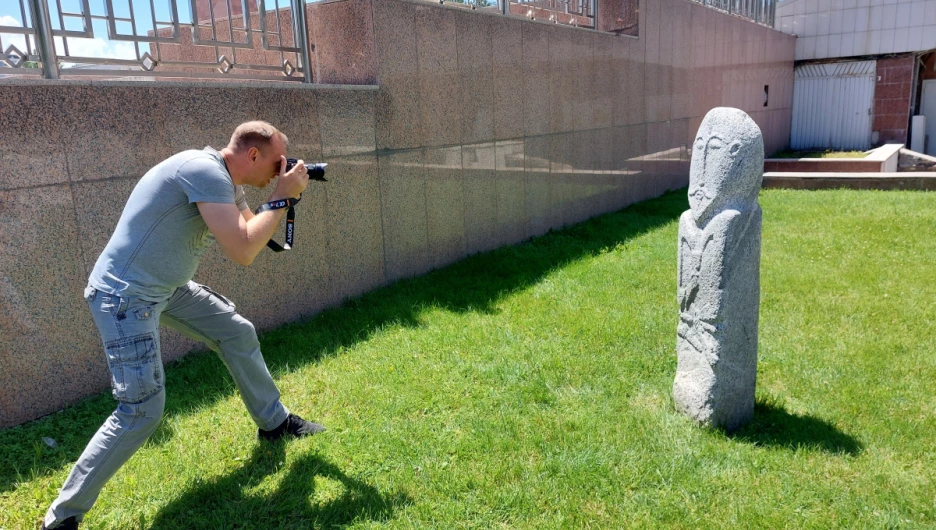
(253, 154)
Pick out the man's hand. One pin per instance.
(290, 184)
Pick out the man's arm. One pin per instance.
(242, 234)
(241, 239)
(247, 214)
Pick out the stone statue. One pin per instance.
(719, 273)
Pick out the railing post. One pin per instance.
(302, 37)
(42, 23)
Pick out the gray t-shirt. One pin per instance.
(161, 235)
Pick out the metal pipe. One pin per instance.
(302, 37)
(42, 23)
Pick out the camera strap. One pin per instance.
(290, 221)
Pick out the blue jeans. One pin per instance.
(129, 329)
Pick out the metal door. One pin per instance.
(832, 105)
(929, 110)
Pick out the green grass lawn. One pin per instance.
(530, 388)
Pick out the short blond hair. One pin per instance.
(257, 134)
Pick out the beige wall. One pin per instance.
(833, 29)
(482, 131)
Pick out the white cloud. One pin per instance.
(96, 47)
(11, 38)
(7, 20)
(77, 47)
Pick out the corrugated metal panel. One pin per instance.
(832, 105)
(851, 69)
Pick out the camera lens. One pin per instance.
(316, 171)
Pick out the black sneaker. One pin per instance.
(293, 426)
(68, 524)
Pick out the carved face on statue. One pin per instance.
(727, 164)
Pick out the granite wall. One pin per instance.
(482, 131)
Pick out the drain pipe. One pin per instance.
(914, 88)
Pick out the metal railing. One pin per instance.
(231, 39)
(759, 11)
(227, 39)
(489, 5)
(579, 13)
(571, 12)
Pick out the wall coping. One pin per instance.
(852, 176)
(155, 82)
(501, 15)
(489, 13)
(910, 180)
(887, 156)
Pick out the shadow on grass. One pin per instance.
(774, 426)
(475, 284)
(226, 502)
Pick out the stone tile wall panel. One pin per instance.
(31, 136)
(476, 92)
(445, 206)
(403, 210)
(512, 224)
(398, 111)
(480, 204)
(507, 53)
(353, 231)
(45, 328)
(342, 33)
(439, 80)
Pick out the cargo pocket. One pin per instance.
(220, 296)
(136, 373)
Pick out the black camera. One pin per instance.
(316, 171)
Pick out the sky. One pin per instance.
(99, 46)
(96, 47)
(11, 14)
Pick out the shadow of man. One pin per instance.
(228, 503)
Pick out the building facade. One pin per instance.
(864, 69)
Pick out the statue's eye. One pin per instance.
(716, 143)
(700, 143)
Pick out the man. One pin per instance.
(143, 278)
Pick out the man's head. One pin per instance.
(254, 153)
